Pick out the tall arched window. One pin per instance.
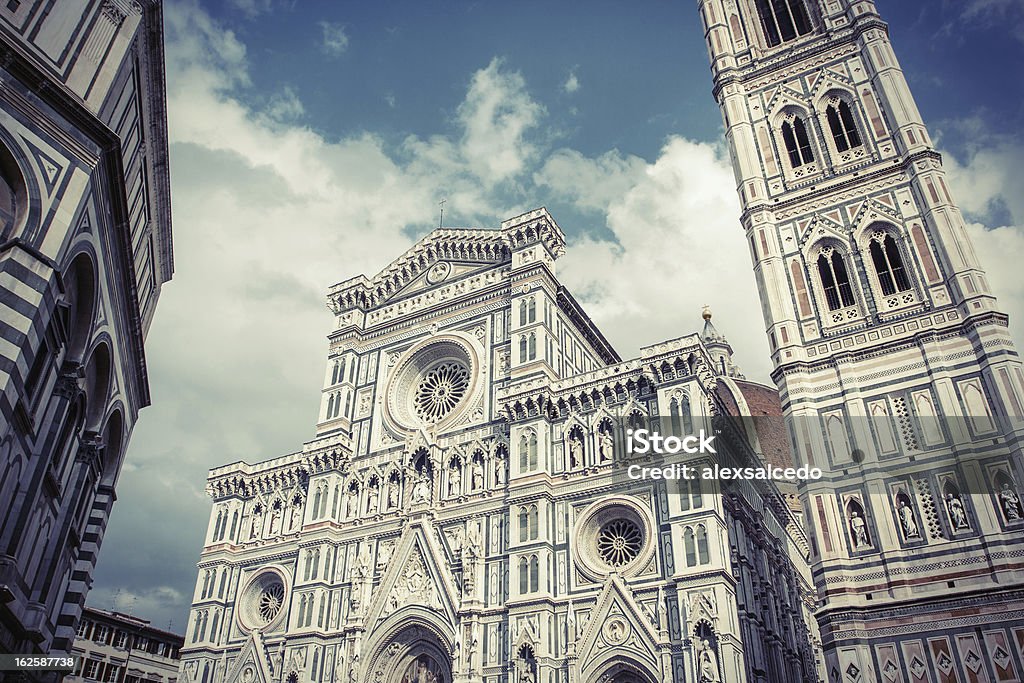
(834, 279)
(798, 145)
(840, 122)
(702, 546)
(524, 453)
(316, 504)
(783, 20)
(523, 349)
(885, 255)
(524, 575)
(532, 352)
(534, 523)
(531, 311)
(691, 550)
(522, 312)
(534, 574)
(533, 451)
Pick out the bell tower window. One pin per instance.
(783, 20)
(840, 121)
(835, 279)
(798, 145)
(885, 255)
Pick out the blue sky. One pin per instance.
(311, 142)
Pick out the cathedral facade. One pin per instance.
(85, 246)
(463, 514)
(893, 361)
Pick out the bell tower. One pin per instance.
(894, 364)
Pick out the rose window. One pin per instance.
(619, 542)
(261, 602)
(271, 601)
(440, 390)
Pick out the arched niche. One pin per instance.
(13, 195)
(97, 385)
(113, 440)
(80, 298)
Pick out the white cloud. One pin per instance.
(677, 245)
(252, 8)
(333, 39)
(572, 83)
(1008, 14)
(285, 105)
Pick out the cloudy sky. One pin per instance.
(312, 141)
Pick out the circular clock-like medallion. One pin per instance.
(270, 602)
(614, 534)
(440, 390)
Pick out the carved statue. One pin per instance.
(392, 494)
(296, 516)
(454, 481)
(1010, 502)
(957, 512)
(707, 664)
(908, 521)
(858, 530)
(352, 504)
(499, 470)
(275, 521)
(575, 451)
(607, 446)
(257, 523)
(477, 480)
(421, 489)
(372, 499)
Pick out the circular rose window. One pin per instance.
(441, 389)
(614, 534)
(261, 601)
(619, 542)
(433, 384)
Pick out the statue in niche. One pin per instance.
(858, 530)
(421, 489)
(454, 480)
(457, 541)
(257, 522)
(907, 520)
(352, 503)
(957, 512)
(372, 498)
(387, 548)
(296, 523)
(477, 480)
(275, 519)
(1010, 502)
(499, 469)
(575, 450)
(707, 664)
(607, 445)
(393, 492)
(473, 541)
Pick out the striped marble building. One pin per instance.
(890, 353)
(85, 244)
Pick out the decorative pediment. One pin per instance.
(821, 226)
(617, 624)
(252, 664)
(829, 79)
(444, 253)
(783, 96)
(417, 575)
(873, 211)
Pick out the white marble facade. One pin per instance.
(458, 516)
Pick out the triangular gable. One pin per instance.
(252, 664)
(786, 95)
(417, 575)
(831, 79)
(617, 623)
(432, 257)
(871, 211)
(822, 226)
(441, 271)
